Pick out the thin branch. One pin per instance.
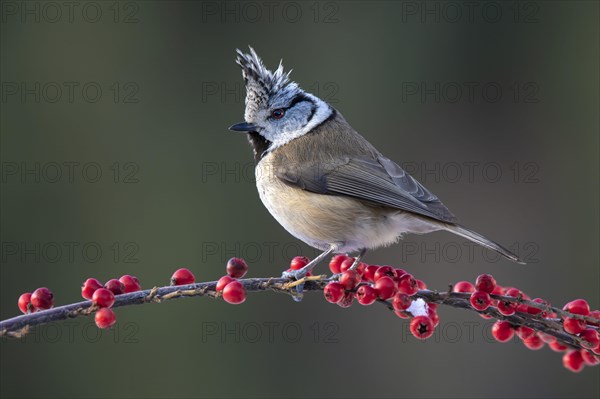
(21, 325)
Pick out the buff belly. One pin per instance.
(324, 220)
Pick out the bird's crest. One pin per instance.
(261, 83)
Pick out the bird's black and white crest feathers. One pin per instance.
(261, 83)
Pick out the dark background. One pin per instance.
(494, 107)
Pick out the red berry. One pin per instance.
(536, 311)
(103, 297)
(366, 295)
(350, 279)
(42, 298)
(435, 318)
(589, 358)
(408, 285)
(421, 327)
(463, 286)
(296, 264)
(237, 267)
(513, 292)
(116, 286)
(573, 326)
(480, 300)
(547, 338)
(334, 292)
(131, 283)
(557, 346)
(595, 315)
(336, 262)
(578, 306)
(25, 303)
(347, 264)
(385, 287)
(525, 332)
(183, 276)
(234, 293)
(502, 331)
(421, 284)
(485, 283)
(223, 281)
(105, 318)
(573, 361)
(401, 302)
(400, 272)
(507, 308)
(498, 290)
(590, 338)
(369, 273)
(89, 287)
(534, 342)
(402, 315)
(346, 300)
(385, 271)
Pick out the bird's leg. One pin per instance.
(299, 274)
(358, 259)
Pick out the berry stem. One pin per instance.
(21, 325)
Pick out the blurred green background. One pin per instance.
(116, 159)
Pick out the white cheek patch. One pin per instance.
(322, 112)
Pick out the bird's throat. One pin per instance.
(259, 144)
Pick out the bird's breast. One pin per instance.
(321, 220)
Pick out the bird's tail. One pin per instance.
(484, 242)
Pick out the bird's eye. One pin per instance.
(278, 113)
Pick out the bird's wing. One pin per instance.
(377, 180)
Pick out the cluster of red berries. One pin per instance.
(503, 331)
(232, 290)
(41, 299)
(103, 296)
(369, 283)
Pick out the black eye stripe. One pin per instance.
(299, 98)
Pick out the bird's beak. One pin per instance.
(242, 127)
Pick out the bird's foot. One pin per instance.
(297, 285)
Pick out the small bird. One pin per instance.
(324, 182)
